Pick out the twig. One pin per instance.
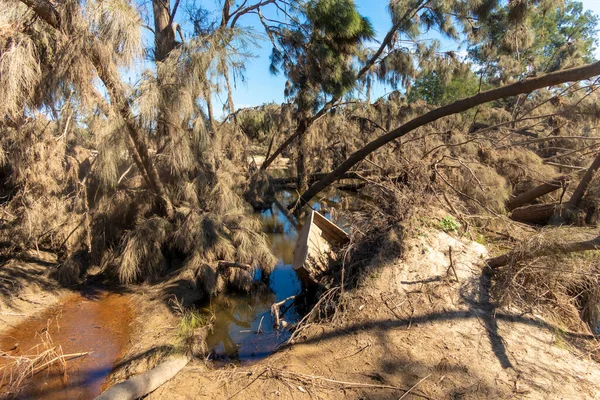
(247, 386)
(355, 353)
(259, 330)
(414, 386)
(275, 310)
(451, 267)
(313, 378)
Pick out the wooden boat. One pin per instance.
(313, 251)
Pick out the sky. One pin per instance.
(260, 86)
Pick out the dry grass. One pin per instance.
(541, 277)
(18, 370)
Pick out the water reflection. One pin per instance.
(238, 317)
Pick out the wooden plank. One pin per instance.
(313, 248)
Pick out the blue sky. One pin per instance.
(260, 86)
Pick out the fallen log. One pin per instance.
(554, 248)
(143, 384)
(536, 192)
(537, 214)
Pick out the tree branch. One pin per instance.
(525, 86)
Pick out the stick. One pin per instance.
(414, 386)
(451, 267)
(259, 330)
(247, 386)
(275, 310)
(296, 375)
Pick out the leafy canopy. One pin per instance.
(316, 55)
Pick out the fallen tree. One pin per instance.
(537, 192)
(141, 385)
(552, 248)
(524, 86)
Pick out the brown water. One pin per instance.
(98, 323)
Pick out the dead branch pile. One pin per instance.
(552, 273)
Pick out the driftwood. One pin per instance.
(275, 311)
(141, 385)
(536, 192)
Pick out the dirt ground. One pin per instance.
(26, 289)
(413, 331)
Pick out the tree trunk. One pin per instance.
(538, 214)
(536, 192)
(524, 86)
(584, 183)
(301, 167)
(211, 114)
(164, 34)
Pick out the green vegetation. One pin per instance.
(449, 224)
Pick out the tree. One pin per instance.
(524, 86)
(532, 37)
(432, 89)
(396, 59)
(316, 57)
(51, 58)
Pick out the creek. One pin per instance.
(100, 323)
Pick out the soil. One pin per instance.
(415, 328)
(26, 288)
(412, 331)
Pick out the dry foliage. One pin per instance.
(19, 369)
(541, 277)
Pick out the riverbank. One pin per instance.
(420, 326)
(415, 327)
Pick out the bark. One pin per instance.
(143, 384)
(536, 192)
(164, 34)
(563, 248)
(538, 214)
(211, 114)
(524, 86)
(301, 167)
(584, 183)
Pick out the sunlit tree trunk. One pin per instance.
(524, 86)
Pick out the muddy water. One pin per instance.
(238, 317)
(98, 323)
